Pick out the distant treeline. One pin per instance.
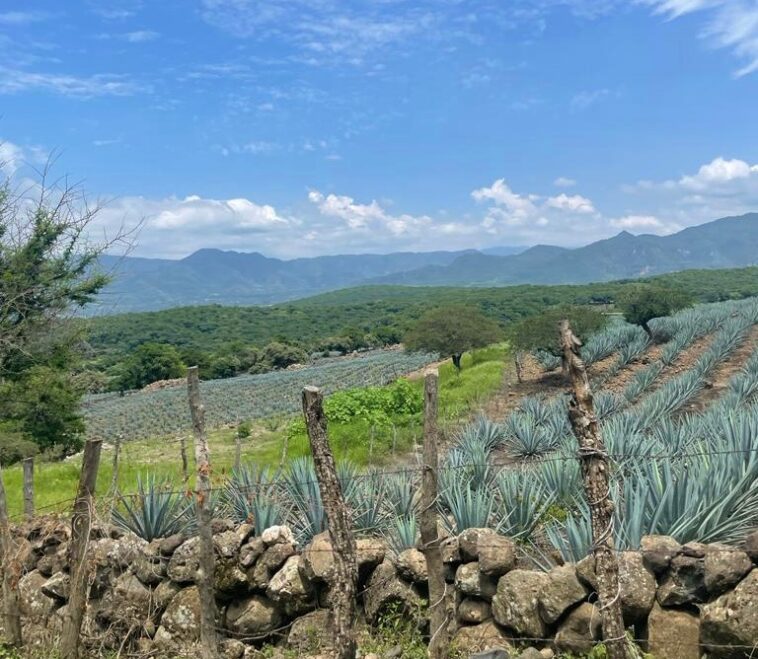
(227, 340)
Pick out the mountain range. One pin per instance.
(237, 278)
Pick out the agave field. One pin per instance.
(691, 475)
(163, 412)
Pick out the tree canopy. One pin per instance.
(451, 331)
(541, 331)
(151, 362)
(640, 303)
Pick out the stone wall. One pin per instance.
(685, 600)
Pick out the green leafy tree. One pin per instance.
(277, 355)
(151, 362)
(640, 303)
(452, 331)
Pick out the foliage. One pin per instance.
(376, 406)
(151, 362)
(451, 331)
(14, 444)
(641, 303)
(250, 496)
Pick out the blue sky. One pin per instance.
(303, 127)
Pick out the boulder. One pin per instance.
(58, 586)
(180, 622)
(561, 591)
(171, 543)
(278, 535)
(253, 616)
(184, 562)
(470, 581)
(411, 565)
(164, 592)
(724, 568)
(497, 555)
(318, 559)
(580, 631)
(311, 632)
(228, 578)
(52, 562)
(673, 633)
(369, 553)
(227, 544)
(480, 638)
(269, 563)
(290, 590)
(35, 605)
(474, 611)
(126, 603)
(658, 551)
(684, 583)
(150, 567)
(516, 603)
(470, 540)
(384, 589)
(231, 648)
(751, 546)
(250, 552)
(731, 619)
(450, 550)
(117, 554)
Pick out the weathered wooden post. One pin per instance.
(28, 466)
(185, 462)
(79, 566)
(595, 475)
(439, 642)
(345, 576)
(205, 573)
(11, 574)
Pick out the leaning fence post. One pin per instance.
(28, 465)
(11, 574)
(595, 474)
(439, 642)
(205, 573)
(81, 524)
(343, 586)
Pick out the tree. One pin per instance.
(640, 303)
(541, 332)
(151, 362)
(452, 331)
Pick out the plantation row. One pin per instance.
(157, 413)
(692, 476)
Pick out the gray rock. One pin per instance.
(181, 620)
(370, 552)
(58, 586)
(290, 590)
(385, 588)
(497, 555)
(530, 653)
(474, 611)
(184, 563)
(311, 632)
(253, 616)
(163, 593)
(411, 566)
(484, 637)
(561, 592)
(227, 544)
(516, 603)
(658, 551)
(269, 563)
(724, 568)
(229, 579)
(673, 633)
(493, 654)
(751, 546)
(278, 535)
(149, 568)
(35, 605)
(684, 583)
(469, 541)
(732, 619)
(580, 631)
(127, 603)
(171, 543)
(318, 559)
(231, 648)
(250, 552)
(450, 550)
(117, 554)
(470, 581)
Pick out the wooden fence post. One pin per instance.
(205, 574)
(343, 586)
(595, 475)
(439, 642)
(28, 488)
(81, 524)
(11, 574)
(185, 462)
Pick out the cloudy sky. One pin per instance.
(304, 127)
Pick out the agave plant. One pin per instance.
(482, 431)
(154, 511)
(400, 494)
(402, 534)
(521, 502)
(527, 439)
(307, 515)
(468, 508)
(250, 496)
(368, 505)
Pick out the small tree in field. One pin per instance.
(452, 331)
(542, 331)
(640, 303)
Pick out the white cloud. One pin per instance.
(574, 203)
(518, 206)
(11, 157)
(729, 24)
(637, 222)
(718, 172)
(23, 17)
(141, 36)
(564, 182)
(16, 80)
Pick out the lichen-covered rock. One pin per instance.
(163, 593)
(732, 619)
(253, 616)
(497, 555)
(290, 590)
(480, 638)
(724, 568)
(516, 603)
(58, 586)
(470, 540)
(117, 554)
(278, 535)
(751, 546)
(673, 633)
(127, 603)
(180, 622)
(580, 631)
(385, 588)
(270, 562)
(149, 566)
(231, 648)
(684, 583)
(184, 562)
(658, 551)
(227, 544)
(313, 631)
(450, 550)
(171, 543)
(370, 552)
(35, 605)
(411, 565)
(228, 578)
(250, 552)
(318, 559)
(561, 591)
(473, 611)
(470, 581)
(53, 560)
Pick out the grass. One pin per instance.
(460, 395)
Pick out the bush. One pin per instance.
(14, 445)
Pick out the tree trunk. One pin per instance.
(595, 475)
(343, 586)
(79, 565)
(11, 575)
(439, 641)
(457, 361)
(647, 329)
(205, 573)
(518, 361)
(29, 488)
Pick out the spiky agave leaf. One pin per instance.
(469, 507)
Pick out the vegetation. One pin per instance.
(451, 331)
(640, 303)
